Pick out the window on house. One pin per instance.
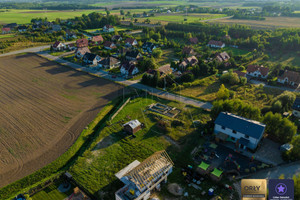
(233, 131)
(246, 136)
(223, 127)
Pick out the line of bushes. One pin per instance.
(65, 160)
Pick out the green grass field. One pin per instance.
(113, 150)
(190, 17)
(25, 16)
(7, 36)
(236, 52)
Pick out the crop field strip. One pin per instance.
(43, 109)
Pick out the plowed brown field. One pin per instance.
(43, 109)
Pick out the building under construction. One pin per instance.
(141, 178)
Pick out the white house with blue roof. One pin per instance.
(245, 133)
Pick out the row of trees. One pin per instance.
(95, 20)
(275, 40)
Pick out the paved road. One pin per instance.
(30, 50)
(134, 84)
(256, 82)
(289, 170)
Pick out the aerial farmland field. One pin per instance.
(25, 16)
(44, 107)
(270, 22)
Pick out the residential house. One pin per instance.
(58, 46)
(96, 40)
(190, 61)
(129, 42)
(108, 28)
(239, 73)
(80, 43)
(56, 27)
(12, 25)
(91, 59)
(140, 179)
(22, 29)
(148, 47)
(80, 52)
(133, 55)
(194, 40)
(188, 51)
(222, 57)
(257, 71)
(109, 63)
(165, 70)
(245, 133)
(109, 45)
(5, 30)
(128, 68)
(289, 77)
(132, 127)
(116, 38)
(216, 44)
(296, 107)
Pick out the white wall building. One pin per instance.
(245, 133)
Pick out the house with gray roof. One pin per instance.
(245, 133)
(296, 107)
(133, 126)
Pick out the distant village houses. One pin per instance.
(128, 68)
(58, 46)
(289, 77)
(6, 30)
(216, 44)
(108, 28)
(80, 52)
(258, 71)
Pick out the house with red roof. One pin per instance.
(216, 44)
(289, 77)
(5, 30)
(257, 71)
(58, 46)
(108, 28)
(80, 43)
(96, 40)
(80, 52)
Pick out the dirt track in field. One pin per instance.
(43, 109)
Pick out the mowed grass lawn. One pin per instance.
(25, 16)
(113, 149)
(190, 17)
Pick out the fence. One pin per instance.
(122, 106)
